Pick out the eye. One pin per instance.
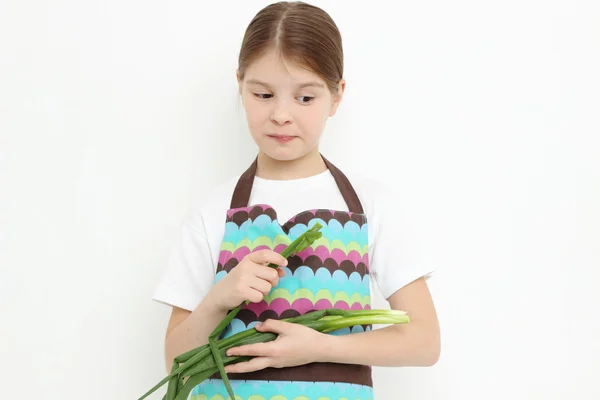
(262, 96)
(308, 99)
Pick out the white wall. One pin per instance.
(117, 116)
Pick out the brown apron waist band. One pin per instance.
(314, 372)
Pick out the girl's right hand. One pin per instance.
(251, 279)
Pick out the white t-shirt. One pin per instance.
(393, 257)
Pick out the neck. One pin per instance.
(308, 165)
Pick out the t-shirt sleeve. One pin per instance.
(395, 256)
(190, 273)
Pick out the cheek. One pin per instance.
(313, 122)
(256, 115)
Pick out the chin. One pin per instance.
(283, 154)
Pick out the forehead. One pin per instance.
(272, 69)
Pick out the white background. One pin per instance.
(116, 117)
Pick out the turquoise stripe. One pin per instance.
(234, 234)
(290, 390)
(264, 226)
(350, 232)
(304, 277)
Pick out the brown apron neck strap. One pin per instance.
(346, 188)
(241, 193)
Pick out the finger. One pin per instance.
(254, 296)
(264, 287)
(266, 273)
(267, 256)
(280, 272)
(255, 364)
(256, 349)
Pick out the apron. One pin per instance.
(332, 273)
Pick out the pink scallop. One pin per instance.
(257, 308)
(322, 252)
(279, 305)
(355, 257)
(342, 305)
(224, 256)
(302, 305)
(240, 253)
(322, 304)
(357, 306)
(338, 255)
(232, 211)
(280, 247)
(304, 254)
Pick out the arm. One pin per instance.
(188, 330)
(414, 344)
(250, 280)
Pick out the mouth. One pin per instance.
(282, 138)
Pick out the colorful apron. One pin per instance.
(332, 273)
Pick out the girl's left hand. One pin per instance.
(295, 345)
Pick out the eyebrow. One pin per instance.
(300, 86)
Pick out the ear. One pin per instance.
(237, 76)
(337, 98)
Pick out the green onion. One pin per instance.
(219, 361)
(301, 243)
(200, 363)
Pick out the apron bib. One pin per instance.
(332, 273)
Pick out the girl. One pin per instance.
(290, 80)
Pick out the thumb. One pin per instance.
(273, 325)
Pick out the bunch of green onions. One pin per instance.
(192, 367)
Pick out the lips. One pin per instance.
(282, 138)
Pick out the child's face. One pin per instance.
(285, 119)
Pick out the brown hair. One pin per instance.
(300, 33)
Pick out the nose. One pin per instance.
(281, 113)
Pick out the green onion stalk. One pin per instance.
(194, 366)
